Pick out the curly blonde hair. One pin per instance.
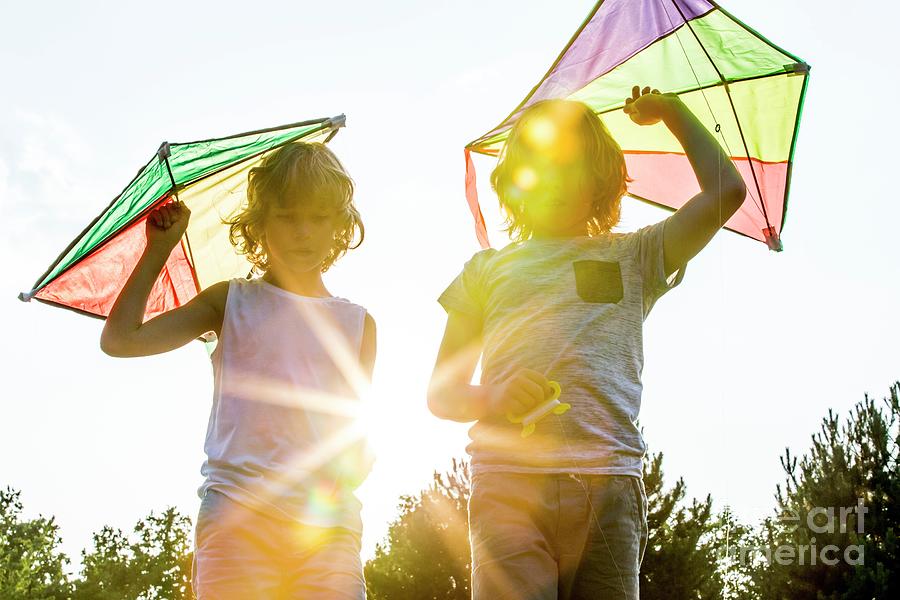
(605, 173)
(298, 172)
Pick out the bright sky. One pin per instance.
(743, 359)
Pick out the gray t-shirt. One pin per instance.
(572, 309)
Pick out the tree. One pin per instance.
(154, 565)
(730, 537)
(426, 554)
(689, 548)
(31, 564)
(839, 503)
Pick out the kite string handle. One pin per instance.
(552, 404)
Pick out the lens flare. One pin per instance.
(322, 503)
(541, 133)
(525, 178)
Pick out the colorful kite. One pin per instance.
(210, 177)
(743, 88)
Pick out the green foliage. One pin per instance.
(729, 536)
(675, 562)
(688, 552)
(692, 552)
(31, 565)
(156, 564)
(846, 465)
(426, 555)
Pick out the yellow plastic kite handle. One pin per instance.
(530, 419)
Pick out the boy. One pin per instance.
(563, 513)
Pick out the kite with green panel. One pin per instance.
(743, 88)
(210, 177)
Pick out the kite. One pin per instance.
(743, 88)
(210, 177)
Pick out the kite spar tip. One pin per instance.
(773, 240)
(335, 124)
(338, 121)
(164, 152)
(26, 296)
(798, 68)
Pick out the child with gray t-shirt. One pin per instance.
(558, 510)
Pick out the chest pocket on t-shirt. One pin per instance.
(598, 281)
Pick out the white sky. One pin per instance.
(742, 360)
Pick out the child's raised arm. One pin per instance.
(450, 393)
(722, 190)
(125, 333)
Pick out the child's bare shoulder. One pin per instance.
(215, 296)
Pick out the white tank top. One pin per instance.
(282, 437)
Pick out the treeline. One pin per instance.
(833, 534)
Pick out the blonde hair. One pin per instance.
(604, 163)
(298, 172)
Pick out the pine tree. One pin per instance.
(426, 554)
(681, 557)
(839, 503)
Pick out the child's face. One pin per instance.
(299, 237)
(552, 173)
(560, 203)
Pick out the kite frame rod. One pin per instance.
(550, 70)
(267, 130)
(790, 162)
(26, 296)
(164, 152)
(40, 283)
(800, 102)
(79, 311)
(658, 205)
(475, 145)
(672, 210)
(737, 121)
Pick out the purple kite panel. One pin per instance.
(617, 31)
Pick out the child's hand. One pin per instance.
(166, 225)
(648, 107)
(521, 392)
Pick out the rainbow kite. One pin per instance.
(743, 88)
(210, 177)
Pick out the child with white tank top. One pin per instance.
(278, 517)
